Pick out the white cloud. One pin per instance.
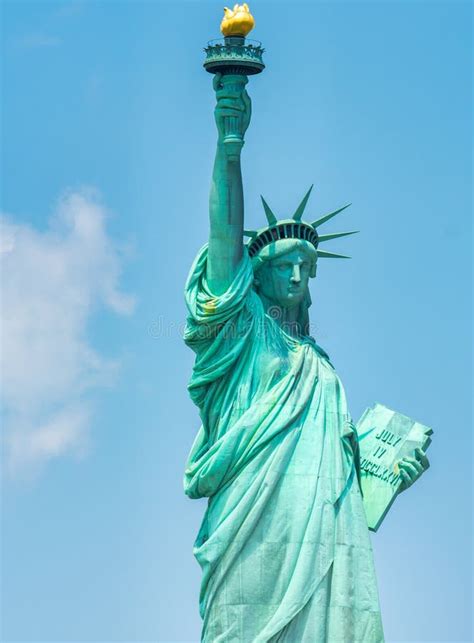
(52, 282)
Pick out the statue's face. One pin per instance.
(284, 280)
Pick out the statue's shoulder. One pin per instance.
(319, 349)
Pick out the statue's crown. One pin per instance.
(294, 228)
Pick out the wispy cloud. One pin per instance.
(45, 34)
(70, 8)
(52, 282)
(37, 41)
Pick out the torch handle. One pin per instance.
(234, 85)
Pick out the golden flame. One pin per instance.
(237, 21)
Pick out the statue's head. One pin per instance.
(284, 255)
(282, 271)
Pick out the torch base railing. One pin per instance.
(234, 55)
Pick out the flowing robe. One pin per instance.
(284, 545)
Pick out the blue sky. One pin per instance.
(108, 140)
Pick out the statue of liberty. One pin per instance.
(284, 544)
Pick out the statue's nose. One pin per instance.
(296, 276)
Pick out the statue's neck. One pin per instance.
(289, 319)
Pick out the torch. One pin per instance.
(236, 58)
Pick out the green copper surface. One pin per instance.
(284, 545)
(234, 55)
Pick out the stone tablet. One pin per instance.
(385, 437)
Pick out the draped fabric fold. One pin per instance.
(284, 545)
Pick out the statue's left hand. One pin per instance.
(412, 468)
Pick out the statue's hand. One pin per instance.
(232, 101)
(411, 468)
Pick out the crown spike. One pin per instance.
(322, 220)
(250, 233)
(331, 255)
(299, 212)
(271, 218)
(335, 235)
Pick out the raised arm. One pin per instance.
(226, 202)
